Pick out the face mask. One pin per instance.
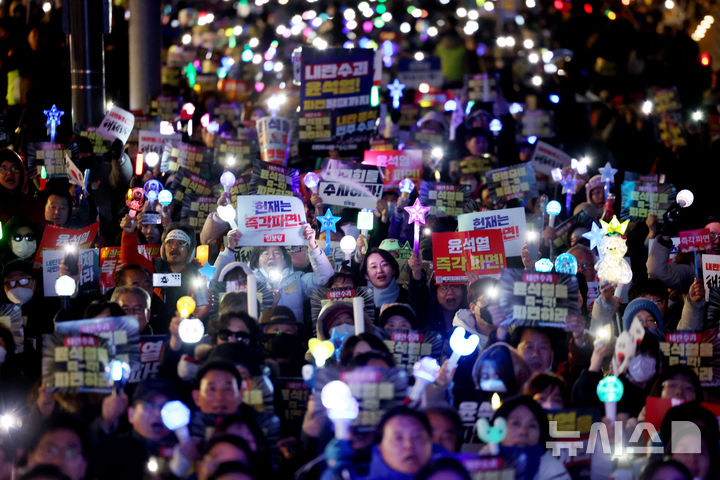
(3, 354)
(20, 295)
(24, 248)
(641, 369)
(493, 385)
(281, 345)
(341, 330)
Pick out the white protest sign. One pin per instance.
(546, 157)
(117, 124)
(149, 141)
(270, 220)
(711, 272)
(75, 176)
(350, 185)
(88, 258)
(510, 220)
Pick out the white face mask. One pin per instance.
(641, 369)
(24, 248)
(3, 354)
(20, 295)
(492, 385)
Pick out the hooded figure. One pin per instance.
(594, 198)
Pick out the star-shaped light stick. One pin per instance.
(396, 92)
(53, 120)
(417, 216)
(327, 225)
(595, 235)
(608, 176)
(569, 182)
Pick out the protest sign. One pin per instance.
(698, 350)
(408, 346)
(537, 123)
(510, 220)
(666, 100)
(486, 467)
(350, 185)
(184, 155)
(273, 139)
(538, 299)
(51, 155)
(116, 125)
(508, 183)
(59, 237)
(695, 240)
(258, 393)
(74, 358)
(11, 317)
(110, 263)
(149, 141)
(196, 208)
(335, 78)
(711, 272)
(89, 280)
(151, 351)
(671, 129)
(412, 72)
(428, 139)
(375, 389)
(481, 87)
(398, 164)
(357, 123)
(269, 179)
(444, 200)
(323, 296)
(165, 107)
(185, 181)
(240, 187)
(546, 158)
(409, 116)
(641, 198)
(477, 165)
(270, 220)
(148, 123)
(478, 251)
(99, 144)
(235, 154)
(291, 403)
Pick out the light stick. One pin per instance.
(327, 225)
(341, 406)
(425, 371)
(608, 176)
(227, 214)
(417, 216)
(176, 417)
(165, 198)
(544, 265)
(365, 222)
(602, 335)
(491, 435)
(53, 120)
(461, 346)
(566, 263)
(134, 200)
(359, 314)
(252, 296)
(191, 330)
(569, 182)
(396, 92)
(139, 164)
(553, 209)
(321, 350)
(227, 180)
(406, 187)
(311, 181)
(595, 235)
(347, 245)
(119, 372)
(610, 390)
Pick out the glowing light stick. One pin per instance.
(118, 372)
(569, 182)
(406, 187)
(608, 176)
(685, 198)
(165, 197)
(553, 209)
(556, 174)
(495, 402)
(365, 222)
(417, 216)
(185, 306)
(612, 267)
(134, 200)
(8, 421)
(176, 417)
(566, 263)
(65, 288)
(396, 92)
(610, 390)
(312, 180)
(139, 164)
(359, 315)
(227, 214)
(425, 371)
(152, 188)
(252, 296)
(461, 346)
(202, 252)
(327, 225)
(595, 235)
(190, 73)
(191, 330)
(53, 120)
(321, 350)
(491, 435)
(347, 245)
(602, 335)
(341, 406)
(227, 180)
(544, 265)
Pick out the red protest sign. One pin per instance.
(695, 240)
(110, 262)
(398, 164)
(479, 251)
(59, 237)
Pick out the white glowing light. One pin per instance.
(669, 4)
(437, 153)
(536, 80)
(47, 6)
(186, 39)
(405, 27)
(528, 43)
(432, 31)
(191, 330)
(337, 398)
(473, 15)
(647, 107)
(348, 244)
(461, 12)
(697, 115)
(175, 415)
(419, 56)
(685, 198)
(65, 286)
(152, 159)
(533, 58)
(461, 345)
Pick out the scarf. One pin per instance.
(389, 294)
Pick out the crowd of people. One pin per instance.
(621, 86)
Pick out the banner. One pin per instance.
(89, 281)
(398, 164)
(149, 141)
(184, 155)
(412, 72)
(478, 165)
(335, 78)
(350, 185)
(546, 158)
(695, 240)
(269, 179)
(444, 200)
(357, 123)
(117, 124)
(508, 183)
(59, 237)
(711, 273)
(456, 253)
(698, 350)
(270, 220)
(110, 263)
(510, 220)
(235, 154)
(185, 181)
(538, 299)
(642, 198)
(274, 139)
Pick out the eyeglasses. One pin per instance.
(225, 335)
(5, 170)
(23, 282)
(28, 236)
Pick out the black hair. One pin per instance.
(217, 365)
(234, 440)
(648, 286)
(119, 276)
(386, 256)
(404, 411)
(525, 401)
(223, 320)
(540, 381)
(96, 307)
(257, 251)
(479, 287)
(363, 359)
(341, 275)
(655, 465)
(8, 155)
(453, 416)
(62, 421)
(443, 465)
(234, 419)
(44, 471)
(553, 335)
(673, 370)
(346, 354)
(698, 420)
(501, 357)
(231, 467)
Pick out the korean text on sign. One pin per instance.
(455, 253)
(270, 220)
(697, 350)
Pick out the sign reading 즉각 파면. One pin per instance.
(538, 299)
(510, 220)
(456, 253)
(695, 240)
(270, 220)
